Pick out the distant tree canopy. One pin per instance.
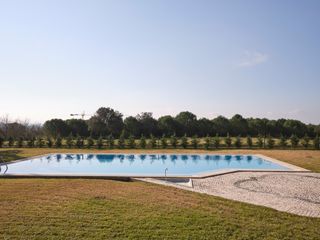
(107, 122)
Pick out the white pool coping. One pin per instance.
(291, 168)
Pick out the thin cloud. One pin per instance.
(252, 59)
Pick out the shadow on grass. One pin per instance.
(10, 155)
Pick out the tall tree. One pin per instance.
(222, 125)
(169, 126)
(56, 127)
(78, 127)
(149, 125)
(106, 121)
(188, 122)
(132, 126)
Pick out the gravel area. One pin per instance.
(297, 193)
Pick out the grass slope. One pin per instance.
(102, 209)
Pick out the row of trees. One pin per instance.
(108, 122)
(168, 142)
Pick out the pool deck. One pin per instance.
(296, 193)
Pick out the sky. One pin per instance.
(255, 58)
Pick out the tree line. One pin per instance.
(107, 122)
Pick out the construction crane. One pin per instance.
(83, 114)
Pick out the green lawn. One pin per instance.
(103, 209)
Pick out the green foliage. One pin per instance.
(30, 142)
(164, 143)
(58, 142)
(39, 143)
(305, 141)
(174, 141)
(270, 142)
(10, 142)
(217, 141)
(153, 141)
(69, 140)
(55, 128)
(106, 121)
(260, 141)
(249, 141)
(238, 143)
(195, 142)
(228, 141)
(294, 141)
(79, 142)
(100, 142)
(184, 141)
(121, 142)
(49, 142)
(131, 142)
(283, 141)
(207, 143)
(316, 142)
(20, 142)
(143, 142)
(110, 141)
(90, 142)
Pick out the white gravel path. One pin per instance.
(297, 193)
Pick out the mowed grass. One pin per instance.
(104, 209)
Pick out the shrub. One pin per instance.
(121, 142)
(305, 141)
(283, 141)
(153, 141)
(143, 142)
(260, 141)
(110, 141)
(69, 140)
(58, 142)
(184, 141)
(216, 141)
(294, 141)
(79, 142)
(238, 143)
(316, 142)
(20, 142)
(100, 142)
(270, 142)
(1, 142)
(30, 142)
(131, 142)
(249, 141)
(228, 141)
(164, 143)
(195, 142)
(173, 141)
(10, 142)
(39, 143)
(207, 142)
(90, 142)
(49, 142)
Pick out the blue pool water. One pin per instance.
(137, 165)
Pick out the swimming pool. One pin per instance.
(142, 165)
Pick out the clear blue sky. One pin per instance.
(256, 58)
